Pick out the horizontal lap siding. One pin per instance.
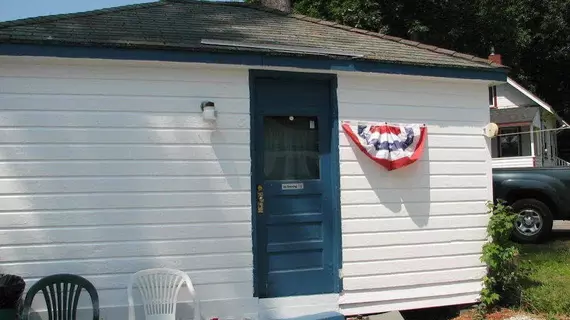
(412, 237)
(513, 162)
(108, 170)
(509, 96)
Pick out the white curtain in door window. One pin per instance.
(290, 149)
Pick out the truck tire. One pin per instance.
(534, 221)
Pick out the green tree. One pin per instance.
(364, 14)
(533, 36)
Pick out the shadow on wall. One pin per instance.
(402, 191)
(229, 168)
(63, 205)
(60, 216)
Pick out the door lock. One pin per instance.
(260, 199)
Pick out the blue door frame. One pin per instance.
(275, 284)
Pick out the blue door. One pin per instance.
(295, 184)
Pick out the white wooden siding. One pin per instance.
(510, 97)
(106, 170)
(513, 162)
(413, 237)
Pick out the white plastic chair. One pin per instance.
(159, 289)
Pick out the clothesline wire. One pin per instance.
(499, 135)
(534, 131)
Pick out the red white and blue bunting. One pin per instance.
(392, 146)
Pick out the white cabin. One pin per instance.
(108, 164)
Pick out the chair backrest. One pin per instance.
(61, 293)
(159, 290)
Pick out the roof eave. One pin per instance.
(537, 100)
(176, 53)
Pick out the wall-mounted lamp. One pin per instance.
(208, 110)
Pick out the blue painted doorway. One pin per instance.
(295, 184)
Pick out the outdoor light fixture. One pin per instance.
(208, 110)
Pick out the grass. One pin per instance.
(548, 288)
(546, 293)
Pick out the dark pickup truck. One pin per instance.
(538, 195)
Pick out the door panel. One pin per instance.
(292, 126)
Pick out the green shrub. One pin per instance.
(505, 273)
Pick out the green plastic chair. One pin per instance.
(61, 293)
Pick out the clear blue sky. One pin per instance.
(17, 9)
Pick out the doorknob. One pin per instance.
(260, 199)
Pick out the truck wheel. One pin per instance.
(534, 221)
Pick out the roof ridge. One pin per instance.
(63, 16)
(411, 43)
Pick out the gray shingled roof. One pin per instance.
(513, 115)
(179, 24)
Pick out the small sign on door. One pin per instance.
(292, 186)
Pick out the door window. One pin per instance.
(291, 148)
